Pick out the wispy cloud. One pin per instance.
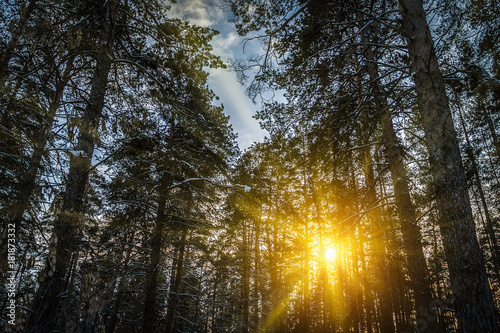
(205, 13)
(227, 45)
(208, 13)
(224, 45)
(238, 106)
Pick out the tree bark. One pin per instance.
(377, 244)
(490, 230)
(417, 267)
(48, 304)
(258, 289)
(246, 280)
(27, 185)
(113, 308)
(175, 286)
(150, 310)
(378, 247)
(28, 180)
(14, 41)
(469, 283)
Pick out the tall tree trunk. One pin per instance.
(490, 231)
(377, 243)
(150, 311)
(276, 325)
(258, 289)
(14, 41)
(417, 267)
(474, 305)
(113, 307)
(378, 247)
(47, 309)
(368, 302)
(304, 307)
(356, 292)
(304, 316)
(437, 270)
(175, 287)
(364, 295)
(28, 181)
(246, 280)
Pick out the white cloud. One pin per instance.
(227, 45)
(238, 106)
(208, 13)
(224, 44)
(205, 13)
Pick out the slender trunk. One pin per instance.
(490, 231)
(304, 307)
(327, 324)
(340, 295)
(377, 243)
(172, 298)
(113, 311)
(378, 249)
(357, 293)
(474, 305)
(150, 311)
(246, 280)
(47, 309)
(364, 295)
(492, 164)
(28, 181)
(491, 127)
(437, 269)
(368, 303)
(417, 267)
(304, 315)
(257, 292)
(14, 41)
(274, 270)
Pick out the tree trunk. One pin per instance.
(417, 267)
(258, 289)
(27, 184)
(47, 309)
(490, 230)
(304, 318)
(378, 247)
(175, 286)
(491, 127)
(28, 180)
(150, 311)
(469, 283)
(14, 41)
(245, 280)
(377, 243)
(364, 295)
(275, 286)
(113, 308)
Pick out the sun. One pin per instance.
(330, 253)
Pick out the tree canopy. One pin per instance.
(372, 205)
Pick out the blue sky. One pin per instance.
(228, 45)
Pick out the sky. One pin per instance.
(228, 45)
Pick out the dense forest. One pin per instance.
(371, 206)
